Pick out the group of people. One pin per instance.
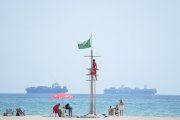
(62, 110)
(117, 110)
(57, 109)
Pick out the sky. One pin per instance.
(138, 41)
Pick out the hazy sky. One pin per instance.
(139, 41)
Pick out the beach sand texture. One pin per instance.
(101, 118)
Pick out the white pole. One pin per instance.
(92, 103)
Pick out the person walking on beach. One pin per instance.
(94, 68)
(121, 107)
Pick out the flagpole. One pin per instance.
(92, 99)
(92, 84)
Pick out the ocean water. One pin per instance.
(41, 104)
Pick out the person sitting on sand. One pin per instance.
(111, 111)
(19, 112)
(9, 112)
(116, 110)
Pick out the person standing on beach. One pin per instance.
(121, 107)
(68, 107)
(94, 68)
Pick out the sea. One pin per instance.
(41, 104)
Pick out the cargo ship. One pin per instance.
(129, 91)
(55, 88)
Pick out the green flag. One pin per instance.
(85, 44)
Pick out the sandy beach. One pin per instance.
(101, 118)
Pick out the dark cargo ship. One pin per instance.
(44, 89)
(128, 91)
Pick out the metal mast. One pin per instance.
(92, 83)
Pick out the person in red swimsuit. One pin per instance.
(94, 68)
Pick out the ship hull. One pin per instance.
(129, 91)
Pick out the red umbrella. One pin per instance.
(62, 95)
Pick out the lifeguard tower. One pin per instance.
(92, 79)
